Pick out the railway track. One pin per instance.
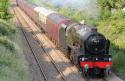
(36, 57)
(41, 69)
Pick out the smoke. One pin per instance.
(89, 6)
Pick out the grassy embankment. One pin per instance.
(112, 25)
(13, 66)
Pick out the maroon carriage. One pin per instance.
(54, 22)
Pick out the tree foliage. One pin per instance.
(110, 3)
(4, 12)
(112, 25)
(107, 6)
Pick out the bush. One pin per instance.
(7, 43)
(118, 15)
(5, 28)
(114, 29)
(117, 50)
(4, 12)
(105, 14)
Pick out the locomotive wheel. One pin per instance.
(68, 51)
(107, 72)
(97, 71)
(85, 74)
(80, 69)
(71, 58)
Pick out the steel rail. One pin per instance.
(38, 63)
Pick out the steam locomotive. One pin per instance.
(85, 46)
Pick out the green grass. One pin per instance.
(7, 43)
(13, 65)
(6, 29)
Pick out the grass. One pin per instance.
(13, 65)
(6, 29)
(7, 43)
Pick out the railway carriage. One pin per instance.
(54, 22)
(43, 14)
(84, 45)
(29, 10)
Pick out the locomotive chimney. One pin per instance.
(93, 29)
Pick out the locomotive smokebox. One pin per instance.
(95, 43)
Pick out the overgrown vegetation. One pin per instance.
(4, 12)
(13, 66)
(111, 23)
(5, 31)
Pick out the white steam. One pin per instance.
(89, 6)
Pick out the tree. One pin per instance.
(107, 6)
(4, 5)
(110, 3)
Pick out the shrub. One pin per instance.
(5, 28)
(7, 43)
(114, 29)
(118, 15)
(105, 14)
